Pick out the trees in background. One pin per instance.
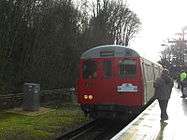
(172, 57)
(110, 22)
(41, 40)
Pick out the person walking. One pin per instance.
(163, 87)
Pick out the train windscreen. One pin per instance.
(127, 68)
(89, 69)
(107, 68)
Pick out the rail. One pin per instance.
(98, 129)
(79, 131)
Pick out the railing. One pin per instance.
(46, 96)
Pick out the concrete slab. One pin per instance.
(147, 125)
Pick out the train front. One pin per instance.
(110, 81)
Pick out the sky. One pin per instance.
(161, 20)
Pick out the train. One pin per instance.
(115, 81)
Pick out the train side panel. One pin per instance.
(150, 72)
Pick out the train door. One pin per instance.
(105, 87)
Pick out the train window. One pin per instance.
(107, 67)
(127, 68)
(89, 69)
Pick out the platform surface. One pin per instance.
(147, 125)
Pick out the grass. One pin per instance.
(43, 127)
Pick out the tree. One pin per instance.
(172, 57)
(41, 40)
(113, 22)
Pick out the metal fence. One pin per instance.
(56, 96)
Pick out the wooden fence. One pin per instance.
(56, 96)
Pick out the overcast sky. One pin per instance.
(161, 19)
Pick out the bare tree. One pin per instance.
(113, 22)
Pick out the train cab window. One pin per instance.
(107, 68)
(89, 69)
(127, 68)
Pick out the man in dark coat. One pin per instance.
(163, 86)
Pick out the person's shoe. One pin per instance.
(163, 119)
(182, 96)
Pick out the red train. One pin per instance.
(114, 80)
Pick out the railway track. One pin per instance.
(96, 130)
(79, 131)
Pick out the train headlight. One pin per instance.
(85, 96)
(90, 97)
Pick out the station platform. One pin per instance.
(147, 125)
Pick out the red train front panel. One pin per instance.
(110, 81)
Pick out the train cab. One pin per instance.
(111, 81)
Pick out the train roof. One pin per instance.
(109, 51)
